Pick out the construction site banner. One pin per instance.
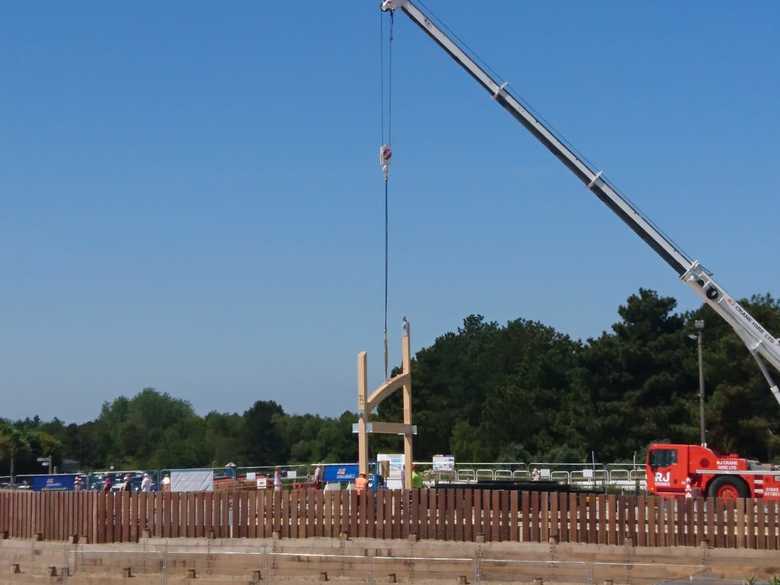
(53, 483)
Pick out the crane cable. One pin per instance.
(386, 153)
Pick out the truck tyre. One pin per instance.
(728, 487)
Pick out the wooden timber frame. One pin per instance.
(367, 404)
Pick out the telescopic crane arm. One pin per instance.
(764, 347)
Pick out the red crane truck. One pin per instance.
(671, 468)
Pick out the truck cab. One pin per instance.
(671, 467)
(667, 469)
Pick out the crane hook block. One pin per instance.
(390, 5)
(385, 154)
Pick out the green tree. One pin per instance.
(262, 437)
(13, 442)
(145, 430)
(466, 443)
(223, 439)
(634, 382)
(538, 386)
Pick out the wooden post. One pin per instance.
(407, 396)
(362, 412)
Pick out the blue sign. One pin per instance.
(340, 473)
(53, 483)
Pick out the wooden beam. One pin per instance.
(386, 428)
(390, 428)
(363, 420)
(385, 390)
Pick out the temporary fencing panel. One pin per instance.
(445, 514)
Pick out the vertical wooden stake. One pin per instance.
(362, 412)
(407, 396)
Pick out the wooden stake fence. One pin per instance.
(444, 514)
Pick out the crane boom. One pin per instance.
(762, 345)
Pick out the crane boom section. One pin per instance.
(594, 180)
(758, 340)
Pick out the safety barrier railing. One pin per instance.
(619, 475)
(485, 474)
(466, 475)
(624, 476)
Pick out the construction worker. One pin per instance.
(361, 483)
(417, 481)
(317, 478)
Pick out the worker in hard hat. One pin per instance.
(361, 483)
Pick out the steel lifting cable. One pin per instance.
(381, 78)
(387, 275)
(385, 154)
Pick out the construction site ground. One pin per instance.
(370, 561)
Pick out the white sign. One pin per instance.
(262, 483)
(192, 481)
(587, 473)
(251, 475)
(292, 474)
(545, 473)
(396, 479)
(443, 463)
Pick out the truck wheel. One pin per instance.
(729, 488)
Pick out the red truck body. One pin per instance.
(669, 466)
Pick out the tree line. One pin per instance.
(519, 391)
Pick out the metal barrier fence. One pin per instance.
(620, 476)
(94, 480)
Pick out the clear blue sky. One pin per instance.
(191, 199)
